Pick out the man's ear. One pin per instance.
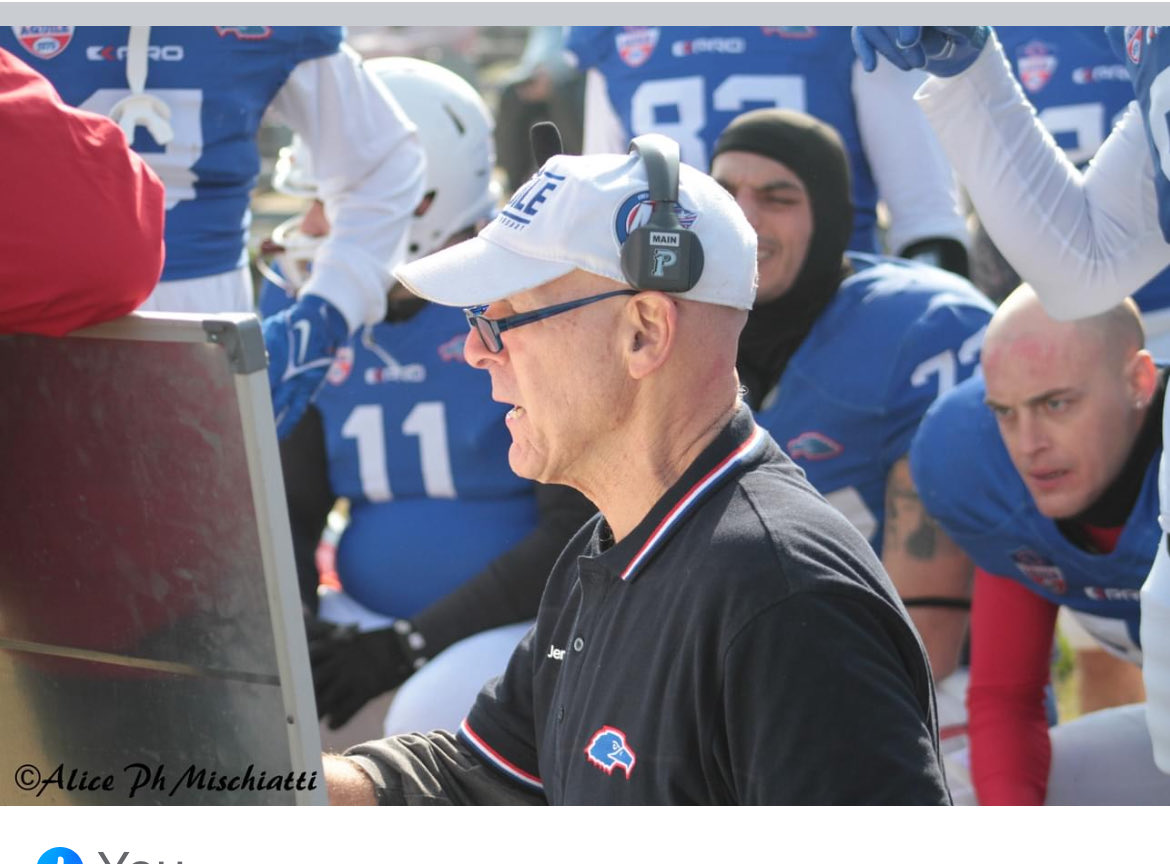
(649, 328)
(1142, 378)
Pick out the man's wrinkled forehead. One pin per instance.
(554, 291)
(1031, 364)
(1025, 337)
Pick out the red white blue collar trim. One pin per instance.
(480, 746)
(688, 501)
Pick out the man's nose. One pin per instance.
(1033, 436)
(476, 353)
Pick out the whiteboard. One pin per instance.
(151, 643)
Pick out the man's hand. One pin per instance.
(350, 667)
(301, 342)
(941, 51)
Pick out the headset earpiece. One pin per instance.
(661, 255)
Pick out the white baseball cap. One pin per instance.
(576, 212)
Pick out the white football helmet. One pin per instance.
(455, 128)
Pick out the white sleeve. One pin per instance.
(603, 129)
(1082, 241)
(911, 171)
(370, 171)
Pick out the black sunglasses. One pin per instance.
(489, 329)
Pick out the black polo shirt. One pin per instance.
(742, 645)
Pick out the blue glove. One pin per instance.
(301, 341)
(941, 51)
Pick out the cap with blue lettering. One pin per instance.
(576, 212)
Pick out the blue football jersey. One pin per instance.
(1080, 89)
(1147, 56)
(690, 82)
(967, 482)
(273, 298)
(416, 444)
(217, 82)
(895, 336)
(1074, 78)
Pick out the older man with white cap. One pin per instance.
(718, 633)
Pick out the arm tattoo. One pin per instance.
(904, 506)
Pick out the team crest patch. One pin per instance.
(1035, 63)
(813, 446)
(635, 212)
(452, 349)
(250, 34)
(1040, 570)
(790, 32)
(636, 45)
(341, 367)
(609, 750)
(1133, 43)
(44, 43)
(1135, 38)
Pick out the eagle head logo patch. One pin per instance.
(814, 446)
(609, 750)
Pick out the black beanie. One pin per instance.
(813, 151)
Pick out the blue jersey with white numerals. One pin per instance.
(1074, 78)
(1080, 88)
(416, 444)
(217, 83)
(690, 82)
(1147, 57)
(967, 482)
(895, 336)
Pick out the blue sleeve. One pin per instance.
(588, 45)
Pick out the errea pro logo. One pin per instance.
(118, 53)
(725, 45)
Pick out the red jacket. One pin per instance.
(81, 230)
